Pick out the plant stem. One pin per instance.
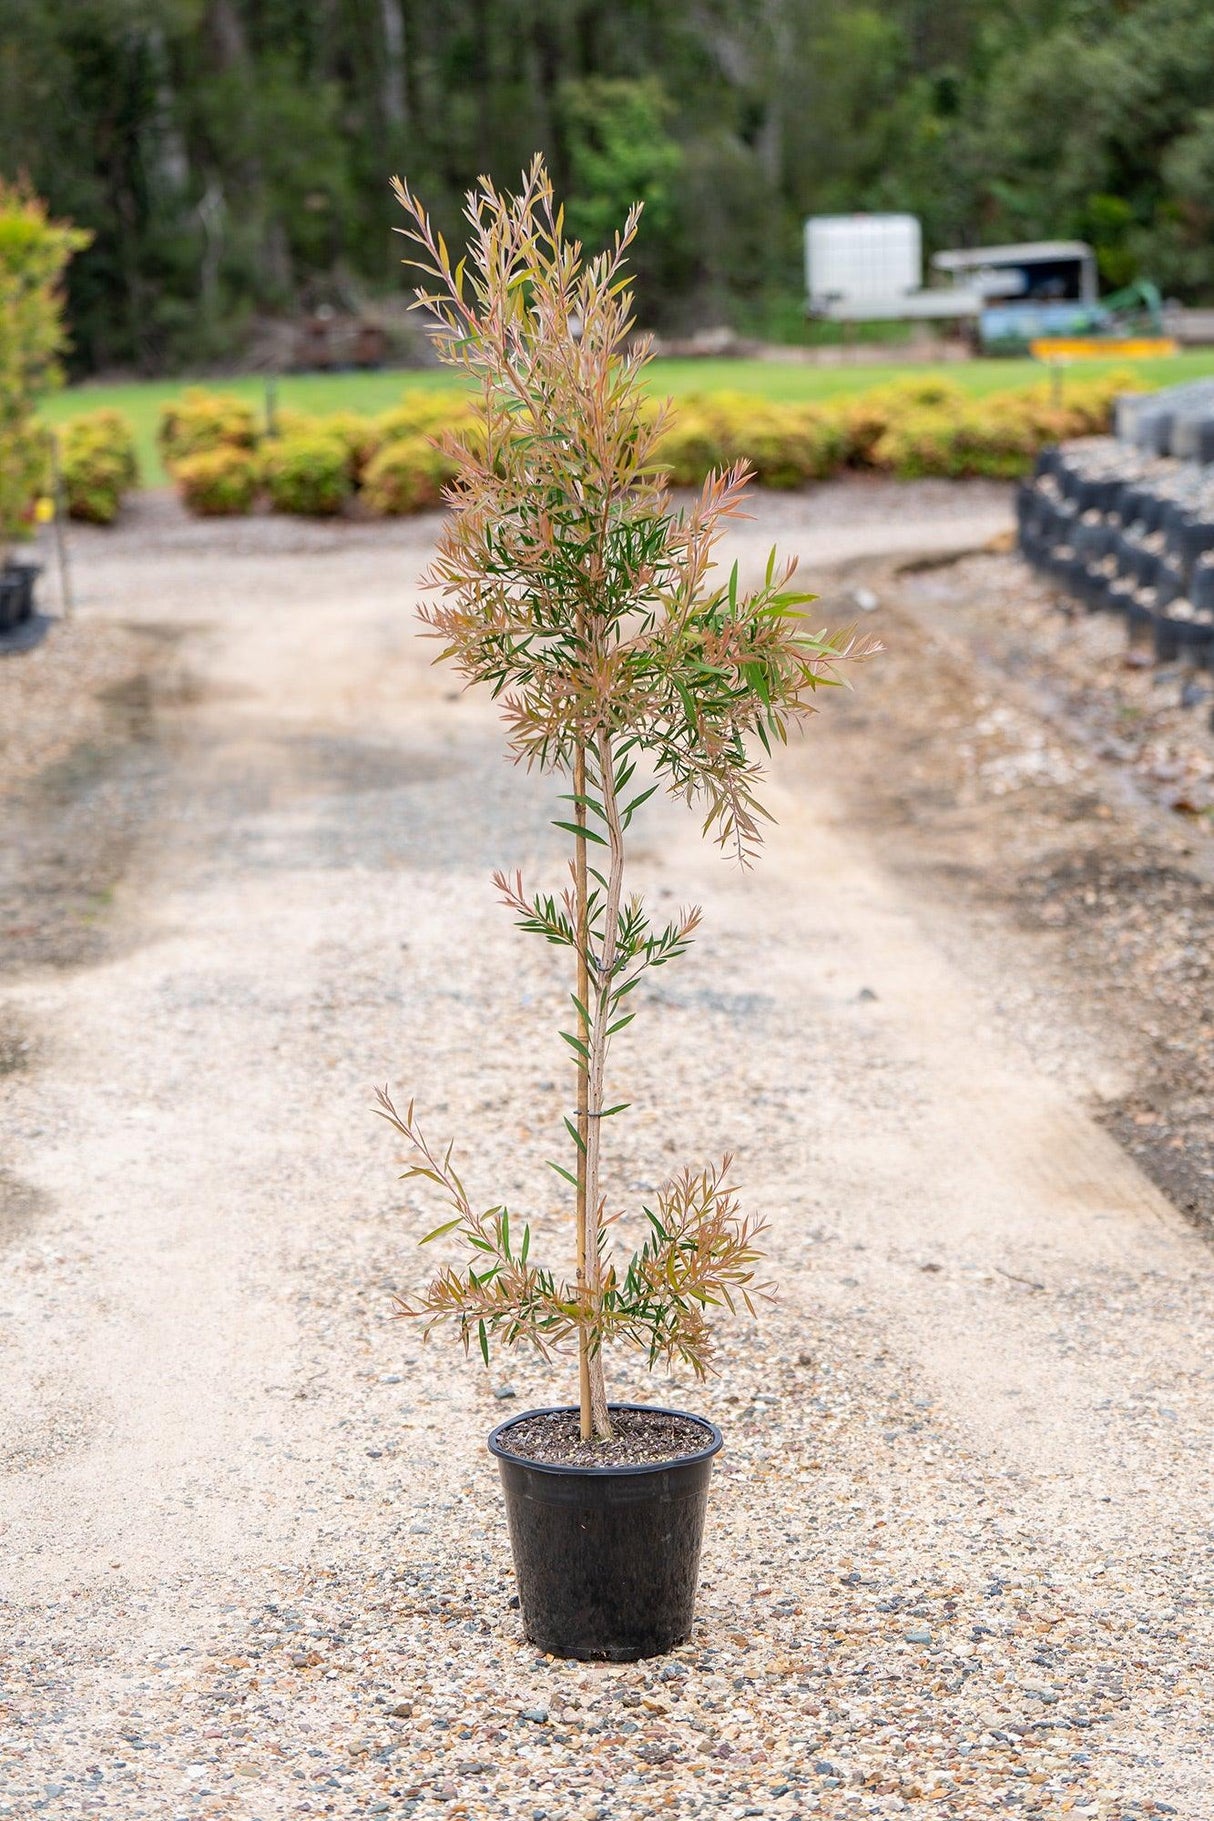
(597, 1045)
(583, 1120)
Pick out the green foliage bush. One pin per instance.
(359, 435)
(938, 430)
(34, 252)
(691, 445)
(98, 465)
(218, 483)
(427, 413)
(786, 445)
(921, 426)
(201, 421)
(407, 475)
(308, 473)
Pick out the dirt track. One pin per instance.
(959, 1545)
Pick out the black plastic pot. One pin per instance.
(606, 1558)
(12, 600)
(16, 593)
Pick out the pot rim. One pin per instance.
(497, 1445)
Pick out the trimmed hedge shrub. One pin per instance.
(308, 474)
(785, 445)
(218, 483)
(691, 448)
(426, 414)
(201, 421)
(407, 475)
(98, 464)
(360, 436)
(919, 426)
(939, 430)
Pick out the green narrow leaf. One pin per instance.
(506, 1234)
(484, 1340)
(562, 1171)
(575, 1043)
(631, 808)
(447, 1227)
(584, 802)
(573, 1133)
(576, 828)
(620, 1023)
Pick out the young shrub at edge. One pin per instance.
(592, 608)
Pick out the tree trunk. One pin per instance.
(392, 20)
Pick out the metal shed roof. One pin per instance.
(964, 259)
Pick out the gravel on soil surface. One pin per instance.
(957, 1559)
(640, 1439)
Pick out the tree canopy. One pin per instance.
(233, 156)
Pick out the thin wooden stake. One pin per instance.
(581, 895)
(59, 497)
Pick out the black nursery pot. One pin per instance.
(606, 1558)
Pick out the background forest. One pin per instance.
(231, 157)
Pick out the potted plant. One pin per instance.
(573, 586)
(34, 252)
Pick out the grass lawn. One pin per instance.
(142, 401)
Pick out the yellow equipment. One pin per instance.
(1104, 347)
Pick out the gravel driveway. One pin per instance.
(958, 1559)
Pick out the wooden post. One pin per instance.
(59, 499)
(580, 889)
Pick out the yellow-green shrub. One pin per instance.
(1088, 403)
(34, 250)
(201, 420)
(690, 447)
(918, 442)
(25, 456)
(866, 421)
(218, 483)
(786, 445)
(98, 465)
(407, 475)
(290, 421)
(426, 413)
(308, 474)
(862, 422)
(360, 436)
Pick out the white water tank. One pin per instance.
(853, 258)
